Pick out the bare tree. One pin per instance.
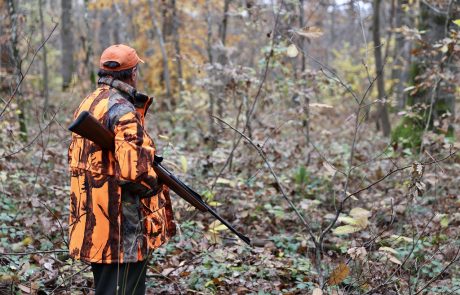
(211, 61)
(67, 61)
(166, 76)
(401, 55)
(176, 25)
(305, 121)
(87, 44)
(45, 89)
(105, 29)
(16, 62)
(223, 27)
(382, 118)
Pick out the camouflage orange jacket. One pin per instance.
(108, 222)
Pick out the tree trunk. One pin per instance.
(223, 27)
(14, 53)
(67, 61)
(382, 111)
(211, 61)
(442, 99)
(87, 44)
(401, 56)
(116, 28)
(306, 109)
(45, 89)
(176, 25)
(105, 29)
(166, 76)
(222, 58)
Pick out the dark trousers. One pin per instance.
(130, 278)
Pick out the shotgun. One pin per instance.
(87, 126)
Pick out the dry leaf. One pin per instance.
(394, 259)
(347, 220)
(167, 271)
(320, 105)
(309, 32)
(292, 51)
(329, 168)
(317, 291)
(388, 249)
(357, 253)
(339, 274)
(345, 229)
(359, 212)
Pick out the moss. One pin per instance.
(440, 20)
(414, 71)
(408, 133)
(441, 107)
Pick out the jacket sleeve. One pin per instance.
(134, 151)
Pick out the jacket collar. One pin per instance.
(138, 99)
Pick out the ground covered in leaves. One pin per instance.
(400, 234)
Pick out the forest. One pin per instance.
(325, 131)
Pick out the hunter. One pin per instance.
(110, 225)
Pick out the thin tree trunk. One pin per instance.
(305, 121)
(222, 57)
(166, 76)
(223, 28)
(211, 96)
(176, 25)
(67, 61)
(45, 89)
(88, 45)
(399, 57)
(17, 68)
(382, 111)
(301, 25)
(116, 23)
(105, 29)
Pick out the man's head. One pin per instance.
(120, 62)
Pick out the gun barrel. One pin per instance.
(178, 187)
(231, 228)
(200, 204)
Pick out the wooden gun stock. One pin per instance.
(90, 128)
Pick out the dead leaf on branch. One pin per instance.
(339, 274)
(309, 32)
(358, 220)
(292, 51)
(388, 251)
(417, 170)
(357, 253)
(320, 106)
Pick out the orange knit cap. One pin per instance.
(122, 54)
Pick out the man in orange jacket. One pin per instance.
(112, 224)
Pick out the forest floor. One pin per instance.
(405, 237)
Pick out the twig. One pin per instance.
(30, 142)
(262, 154)
(256, 98)
(455, 259)
(414, 244)
(400, 169)
(33, 252)
(434, 8)
(27, 71)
